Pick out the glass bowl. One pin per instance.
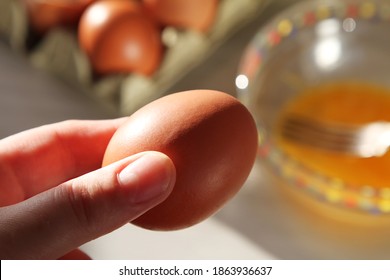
(310, 45)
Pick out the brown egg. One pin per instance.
(212, 140)
(194, 14)
(46, 14)
(119, 38)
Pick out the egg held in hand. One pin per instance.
(212, 140)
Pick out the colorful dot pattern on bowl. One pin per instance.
(285, 28)
(330, 190)
(322, 188)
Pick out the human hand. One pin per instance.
(55, 197)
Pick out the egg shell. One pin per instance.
(194, 14)
(47, 14)
(118, 38)
(212, 140)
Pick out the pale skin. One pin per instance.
(55, 196)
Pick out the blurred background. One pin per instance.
(260, 222)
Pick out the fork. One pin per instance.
(366, 140)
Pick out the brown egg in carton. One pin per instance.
(59, 53)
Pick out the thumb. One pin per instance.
(55, 222)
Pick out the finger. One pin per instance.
(55, 222)
(37, 159)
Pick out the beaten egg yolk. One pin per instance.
(346, 103)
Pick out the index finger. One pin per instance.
(38, 159)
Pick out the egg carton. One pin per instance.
(59, 53)
(13, 23)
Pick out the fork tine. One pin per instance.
(367, 140)
(297, 122)
(315, 134)
(300, 138)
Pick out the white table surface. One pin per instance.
(258, 223)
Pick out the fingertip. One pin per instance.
(122, 191)
(153, 174)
